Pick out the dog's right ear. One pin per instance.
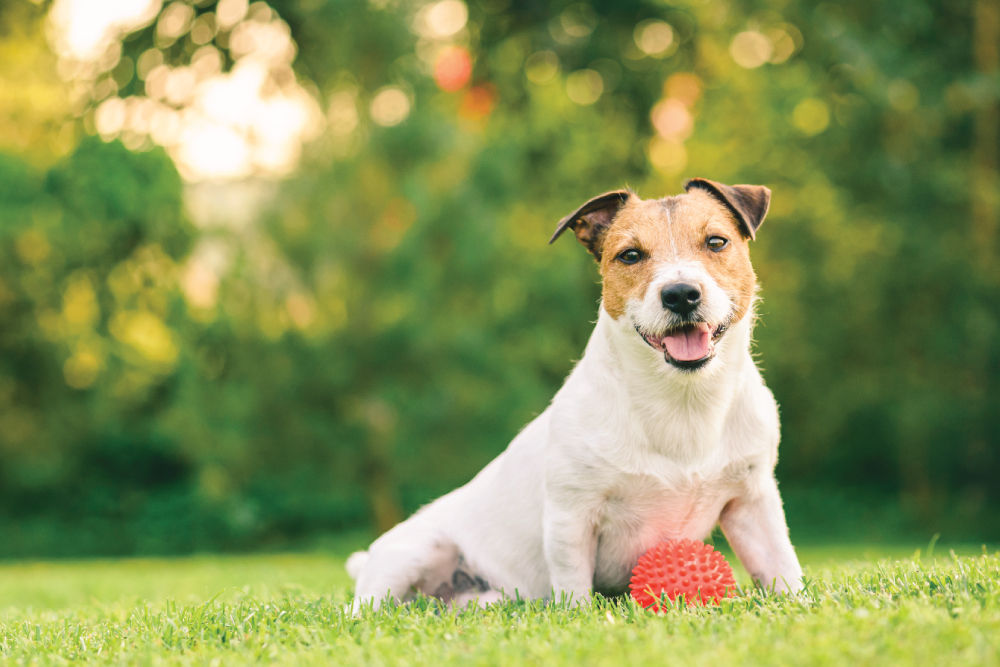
(591, 221)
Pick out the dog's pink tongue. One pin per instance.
(689, 344)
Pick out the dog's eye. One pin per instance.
(716, 243)
(629, 256)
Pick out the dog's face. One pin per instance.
(676, 270)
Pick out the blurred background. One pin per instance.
(276, 270)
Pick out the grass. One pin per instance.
(865, 605)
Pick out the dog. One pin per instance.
(662, 430)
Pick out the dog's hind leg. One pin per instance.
(410, 558)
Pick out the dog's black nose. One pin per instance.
(681, 298)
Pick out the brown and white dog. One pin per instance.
(663, 429)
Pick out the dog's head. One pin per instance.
(676, 269)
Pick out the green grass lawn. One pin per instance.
(865, 605)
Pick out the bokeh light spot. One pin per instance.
(175, 20)
(218, 150)
(268, 42)
(785, 41)
(584, 87)
(541, 67)
(301, 309)
(109, 118)
(811, 116)
(578, 21)
(478, 101)
(150, 59)
(441, 20)
(83, 366)
(342, 112)
(179, 86)
(145, 333)
(203, 29)
(207, 62)
(156, 82)
(672, 119)
(230, 12)
(453, 68)
(80, 309)
(750, 49)
(683, 86)
(85, 28)
(165, 126)
(390, 106)
(655, 38)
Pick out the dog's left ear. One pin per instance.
(747, 202)
(591, 221)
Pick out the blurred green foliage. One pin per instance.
(393, 316)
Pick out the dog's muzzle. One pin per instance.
(687, 346)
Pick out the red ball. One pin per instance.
(682, 567)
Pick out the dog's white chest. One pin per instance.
(642, 510)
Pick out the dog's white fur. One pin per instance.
(630, 452)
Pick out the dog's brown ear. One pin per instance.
(747, 202)
(591, 221)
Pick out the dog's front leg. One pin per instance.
(570, 550)
(754, 525)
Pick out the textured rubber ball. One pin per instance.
(681, 567)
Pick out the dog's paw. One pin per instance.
(360, 606)
(354, 608)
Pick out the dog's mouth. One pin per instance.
(688, 346)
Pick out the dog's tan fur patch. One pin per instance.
(675, 229)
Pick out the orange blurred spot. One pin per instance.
(683, 86)
(453, 69)
(478, 101)
(672, 119)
